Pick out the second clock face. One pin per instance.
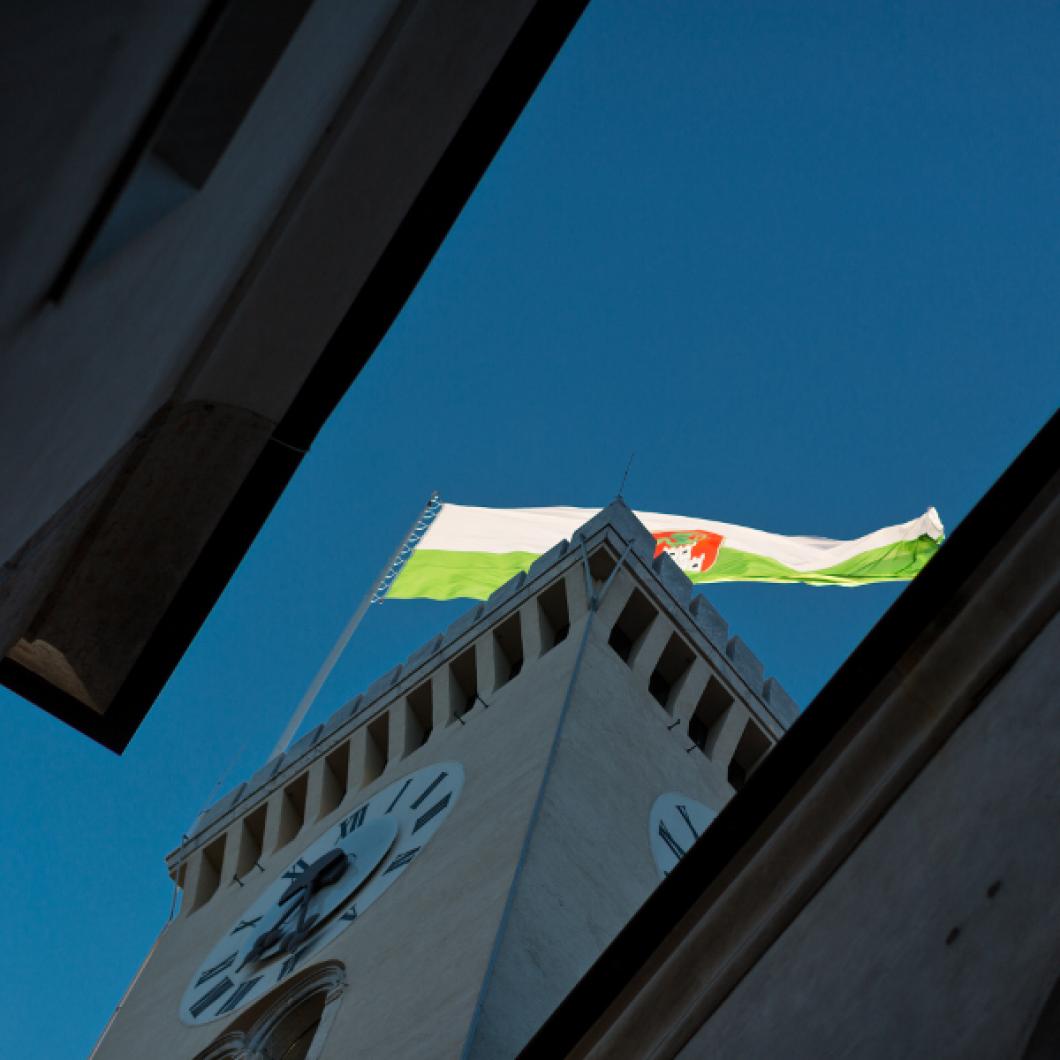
(322, 892)
(675, 823)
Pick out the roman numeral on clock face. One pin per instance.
(297, 870)
(432, 812)
(241, 992)
(244, 924)
(216, 970)
(669, 840)
(394, 801)
(401, 860)
(430, 787)
(683, 811)
(350, 914)
(215, 993)
(288, 965)
(353, 822)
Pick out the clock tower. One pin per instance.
(429, 872)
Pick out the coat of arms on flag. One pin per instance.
(691, 550)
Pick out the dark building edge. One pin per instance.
(386, 290)
(138, 145)
(937, 590)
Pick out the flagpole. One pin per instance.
(374, 595)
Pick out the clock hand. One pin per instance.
(323, 872)
(326, 870)
(265, 941)
(270, 937)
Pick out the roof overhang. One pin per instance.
(103, 600)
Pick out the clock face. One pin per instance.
(675, 823)
(322, 892)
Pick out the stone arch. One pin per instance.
(290, 1024)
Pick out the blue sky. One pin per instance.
(802, 259)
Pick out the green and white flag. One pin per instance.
(470, 552)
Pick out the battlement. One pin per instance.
(676, 644)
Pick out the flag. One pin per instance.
(470, 552)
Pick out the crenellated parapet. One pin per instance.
(709, 688)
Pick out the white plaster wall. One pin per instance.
(589, 865)
(416, 959)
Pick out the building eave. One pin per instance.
(240, 510)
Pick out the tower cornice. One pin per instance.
(613, 533)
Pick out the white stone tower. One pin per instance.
(428, 873)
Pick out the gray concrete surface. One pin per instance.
(940, 935)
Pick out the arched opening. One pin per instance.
(291, 1023)
(291, 1037)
